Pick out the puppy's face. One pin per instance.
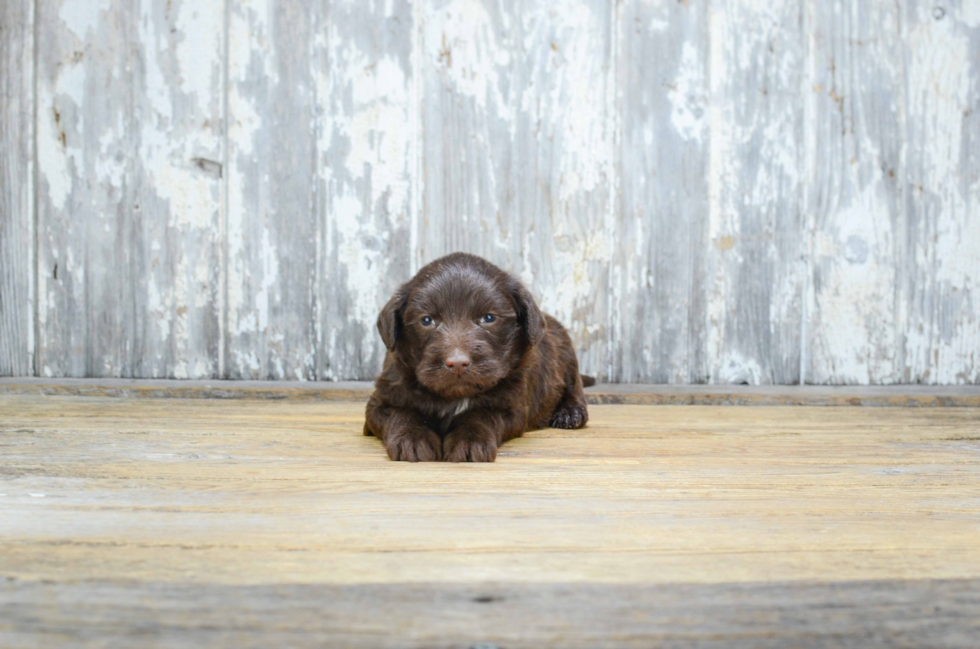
(461, 327)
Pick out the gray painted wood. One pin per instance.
(753, 254)
(86, 190)
(17, 188)
(710, 261)
(941, 269)
(716, 192)
(854, 167)
(272, 230)
(658, 289)
(367, 114)
(895, 238)
(517, 137)
(178, 177)
(129, 123)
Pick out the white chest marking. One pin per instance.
(457, 408)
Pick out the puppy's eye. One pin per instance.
(426, 321)
(489, 318)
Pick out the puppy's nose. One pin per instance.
(458, 362)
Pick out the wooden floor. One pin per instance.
(170, 522)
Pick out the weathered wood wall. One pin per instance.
(716, 191)
(17, 302)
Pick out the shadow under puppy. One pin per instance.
(471, 363)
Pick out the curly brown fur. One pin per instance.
(471, 363)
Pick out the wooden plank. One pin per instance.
(658, 285)
(86, 315)
(942, 267)
(966, 396)
(17, 299)
(855, 168)
(518, 134)
(244, 492)
(178, 193)
(709, 283)
(366, 184)
(754, 255)
(272, 170)
(903, 613)
(129, 120)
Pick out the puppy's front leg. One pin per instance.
(475, 436)
(403, 432)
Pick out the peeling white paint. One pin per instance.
(197, 24)
(970, 13)
(364, 141)
(943, 334)
(268, 284)
(723, 172)
(81, 17)
(459, 41)
(55, 152)
(735, 369)
(519, 153)
(688, 115)
(857, 297)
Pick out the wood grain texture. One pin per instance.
(754, 255)
(941, 270)
(178, 98)
(367, 114)
(720, 523)
(88, 247)
(927, 396)
(710, 263)
(894, 234)
(272, 231)
(129, 122)
(713, 192)
(850, 614)
(518, 129)
(855, 166)
(658, 289)
(17, 166)
(291, 492)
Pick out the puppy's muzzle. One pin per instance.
(458, 363)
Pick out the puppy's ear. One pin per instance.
(528, 314)
(390, 319)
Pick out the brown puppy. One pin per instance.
(471, 363)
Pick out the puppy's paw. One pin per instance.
(569, 416)
(413, 445)
(469, 447)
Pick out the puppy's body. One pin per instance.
(472, 363)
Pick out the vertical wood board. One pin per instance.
(658, 290)
(754, 255)
(17, 237)
(129, 117)
(942, 195)
(271, 229)
(855, 163)
(179, 99)
(518, 135)
(367, 115)
(86, 188)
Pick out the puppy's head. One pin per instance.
(461, 325)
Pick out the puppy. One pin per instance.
(471, 363)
